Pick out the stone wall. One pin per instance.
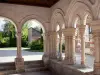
(58, 68)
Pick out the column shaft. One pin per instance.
(82, 51)
(97, 53)
(82, 32)
(60, 52)
(69, 46)
(19, 53)
(95, 25)
(19, 61)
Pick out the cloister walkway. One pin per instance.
(9, 54)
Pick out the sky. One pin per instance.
(1, 24)
(33, 23)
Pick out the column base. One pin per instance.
(96, 68)
(83, 63)
(19, 63)
(69, 61)
(53, 56)
(45, 59)
(60, 58)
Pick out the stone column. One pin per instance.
(95, 25)
(69, 34)
(46, 39)
(19, 61)
(53, 37)
(46, 55)
(82, 37)
(60, 44)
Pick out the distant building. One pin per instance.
(33, 34)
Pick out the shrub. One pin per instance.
(36, 45)
(4, 42)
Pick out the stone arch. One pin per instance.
(98, 12)
(33, 17)
(13, 22)
(76, 20)
(76, 8)
(87, 16)
(57, 18)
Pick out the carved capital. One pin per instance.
(18, 34)
(82, 29)
(69, 31)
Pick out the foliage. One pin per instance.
(25, 35)
(63, 47)
(36, 45)
(7, 36)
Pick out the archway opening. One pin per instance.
(60, 42)
(89, 42)
(33, 40)
(77, 41)
(7, 40)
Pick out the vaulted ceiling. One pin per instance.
(43, 3)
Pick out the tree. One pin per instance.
(9, 33)
(25, 35)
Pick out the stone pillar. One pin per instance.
(69, 34)
(46, 55)
(53, 37)
(82, 37)
(46, 40)
(60, 44)
(95, 25)
(19, 61)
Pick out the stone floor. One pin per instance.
(35, 73)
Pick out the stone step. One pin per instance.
(30, 66)
(34, 65)
(33, 62)
(36, 73)
(8, 72)
(4, 68)
(7, 64)
(36, 69)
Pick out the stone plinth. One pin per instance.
(19, 63)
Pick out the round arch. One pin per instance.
(14, 23)
(87, 16)
(76, 20)
(57, 18)
(77, 8)
(33, 17)
(39, 23)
